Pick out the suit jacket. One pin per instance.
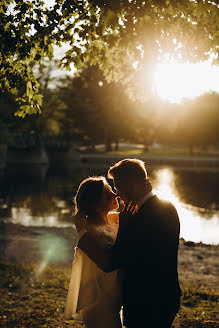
(146, 249)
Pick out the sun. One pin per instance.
(175, 81)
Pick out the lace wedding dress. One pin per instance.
(95, 296)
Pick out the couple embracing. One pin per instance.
(126, 259)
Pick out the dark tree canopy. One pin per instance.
(112, 34)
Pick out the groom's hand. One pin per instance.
(128, 211)
(130, 208)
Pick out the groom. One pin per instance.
(146, 250)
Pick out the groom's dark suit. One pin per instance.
(146, 249)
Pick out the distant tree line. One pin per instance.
(85, 110)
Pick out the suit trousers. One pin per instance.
(157, 318)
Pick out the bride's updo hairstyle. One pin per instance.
(89, 194)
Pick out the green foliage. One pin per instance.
(198, 122)
(110, 34)
(24, 41)
(193, 123)
(96, 111)
(87, 110)
(143, 31)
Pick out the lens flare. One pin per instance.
(53, 249)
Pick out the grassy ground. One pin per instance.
(29, 300)
(138, 150)
(163, 152)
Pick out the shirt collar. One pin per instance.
(144, 198)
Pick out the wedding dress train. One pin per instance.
(95, 296)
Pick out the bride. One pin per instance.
(95, 296)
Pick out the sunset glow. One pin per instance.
(193, 224)
(174, 81)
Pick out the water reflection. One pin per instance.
(47, 201)
(24, 217)
(194, 225)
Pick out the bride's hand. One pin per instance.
(80, 221)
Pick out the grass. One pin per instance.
(162, 152)
(138, 150)
(29, 300)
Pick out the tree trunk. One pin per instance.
(108, 146)
(191, 150)
(92, 147)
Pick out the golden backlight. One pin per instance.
(194, 225)
(174, 81)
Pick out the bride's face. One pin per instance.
(108, 200)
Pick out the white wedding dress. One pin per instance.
(94, 296)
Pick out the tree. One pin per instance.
(24, 40)
(198, 122)
(116, 34)
(167, 121)
(49, 123)
(111, 34)
(97, 112)
(7, 109)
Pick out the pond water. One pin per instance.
(42, 196)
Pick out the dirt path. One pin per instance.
(198, 264)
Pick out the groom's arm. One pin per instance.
(105, 259)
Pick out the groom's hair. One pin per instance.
(129, 168)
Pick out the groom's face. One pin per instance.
(121, 189)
